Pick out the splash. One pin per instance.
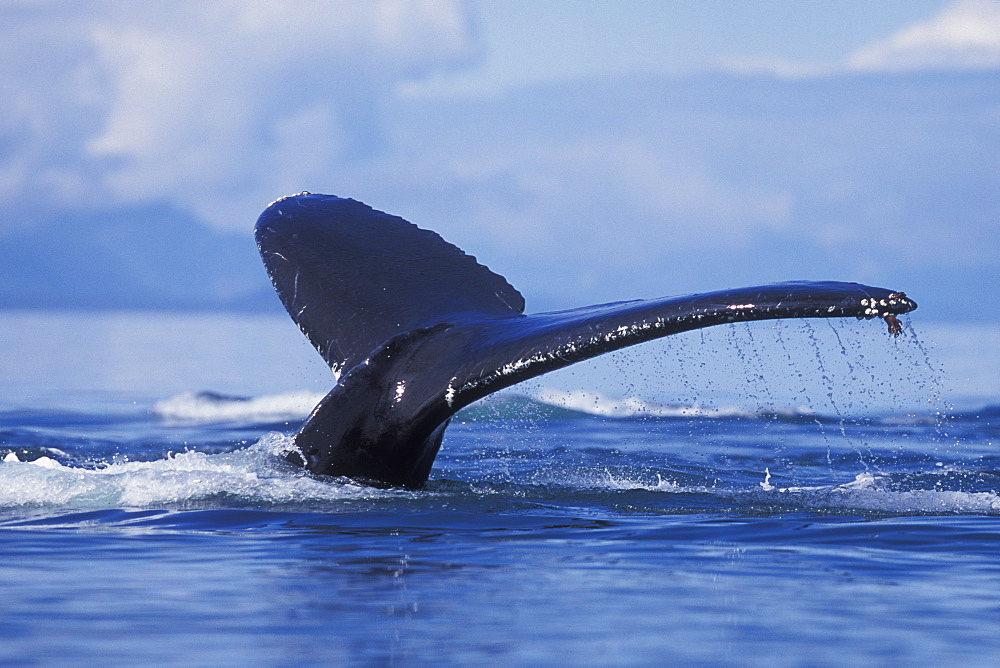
(256, 474)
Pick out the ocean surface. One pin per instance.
(791, 493)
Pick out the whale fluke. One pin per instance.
(416, 329)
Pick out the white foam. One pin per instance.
(866, 493)
(624, 483)
(595, 403)
(255, 474)
(206, 407)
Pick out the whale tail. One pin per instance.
(416, 329)
(352, 277)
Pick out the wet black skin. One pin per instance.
(418, 329)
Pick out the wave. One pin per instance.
(880, 492)
(202, 407)
(590, 402)
(208, 407)
(989, 412)
(258, 476)
(582, 404)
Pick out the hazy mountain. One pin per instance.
(148, 257)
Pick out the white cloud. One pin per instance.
(211, 106)
(46, 106)
(963, 35)
(219, 110)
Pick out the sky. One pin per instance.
(589, 151)
(550, 40)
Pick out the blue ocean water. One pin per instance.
(812, 500)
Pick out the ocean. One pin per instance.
(791, 493)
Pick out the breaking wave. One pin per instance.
(214, 407)
(209, 407)
(258, 475)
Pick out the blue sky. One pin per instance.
(589, 151)
(548, 40)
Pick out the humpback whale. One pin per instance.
(415, 329)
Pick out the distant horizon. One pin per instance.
(158, 355)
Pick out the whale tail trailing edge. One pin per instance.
(420, 329)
